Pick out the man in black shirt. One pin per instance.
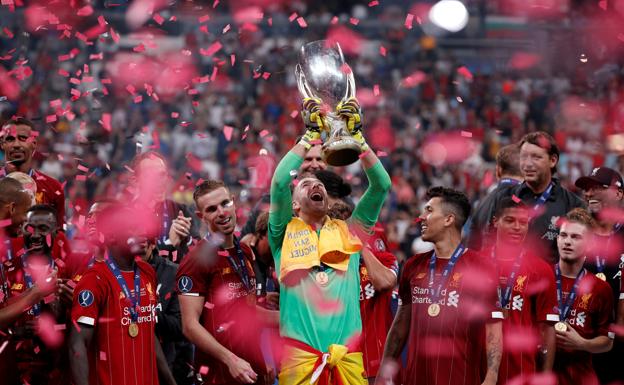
(542, 192)
(603, 191)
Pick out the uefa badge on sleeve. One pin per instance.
(86, 298)
(185, 284)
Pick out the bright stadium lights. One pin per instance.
(450, 15)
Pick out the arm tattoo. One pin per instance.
(494, 345)
(398, 332)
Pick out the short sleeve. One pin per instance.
(193, 276)
(545, 293)
(405, 290)
(388, 260)
(89, 295)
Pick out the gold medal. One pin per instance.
(133, 330)
(601, 276)
(322, 278)
(433, 310)
(561, 327)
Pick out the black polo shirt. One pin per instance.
(544, 229)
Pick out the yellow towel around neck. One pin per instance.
(302, 248)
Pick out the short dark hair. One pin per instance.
(43, 208)
(20, 121)
(508, 159)
(544, 140)
(581, 216)
(262, 223)
(334, 184)
(456, 201)
(508, 203)
(205, 187)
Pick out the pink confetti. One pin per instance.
(463, 71)
(373, 3)
(227, 132)
(409, 20)
(302, 23)
(106, 121)
(382, 50)
(293, 16)
(214, 48)
(101, 21)
(264, 133)
(85, 11)
(376, 90)
(354, 21)
(102, 355)
(203, 370)
(203, 19)
(158, 19)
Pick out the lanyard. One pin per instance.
(9, 255)
(565, 308)
(505, 296)
(165, 225)
(445, 273)
(544, 197)
(240, 267)
(134, 300)
(508, 181)
(29, 281)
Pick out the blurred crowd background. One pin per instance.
(210, 84)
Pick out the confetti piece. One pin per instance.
(382, 50)
(227, 132)
(354, 21)
(85, 11)
(102, 355)
(293, 16)
(463, 71)
(302, 23)
(214, 48)
(203, 19)
(376, 90)
(373, 3)
(158, 19)
(409, 20)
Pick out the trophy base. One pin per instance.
(341, 152)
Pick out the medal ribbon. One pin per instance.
(508, 181)
(505, 296)
(165, 225)
(445, 273)
(134, 300)
(565, 308)
(240, 267)
(29, 281)
(544, 197)
(9, 255)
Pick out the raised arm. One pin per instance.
(367, 211)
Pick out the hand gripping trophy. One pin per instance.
(323, 74)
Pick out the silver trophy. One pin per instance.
(323, 73)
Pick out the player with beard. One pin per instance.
(112, 339)
(317, 260)
(448, 316)
(18, 299)
(216, 286)
(585, 304)
(526, 293)
(603, 190)
(19, 143)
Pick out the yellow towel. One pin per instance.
(302, 248)
(304, 365)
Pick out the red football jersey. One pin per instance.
(375, 308)
(448, 348)
(230, 310)
(116, 358)
(590, 315)
(533, 300)
(50, 191)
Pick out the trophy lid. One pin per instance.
(323, 73)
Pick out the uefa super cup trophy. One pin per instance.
(322, 73)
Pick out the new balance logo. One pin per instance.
(453, 299)
(580, 319)
(517, 303)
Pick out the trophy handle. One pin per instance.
(350, 91)
(301, 83)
